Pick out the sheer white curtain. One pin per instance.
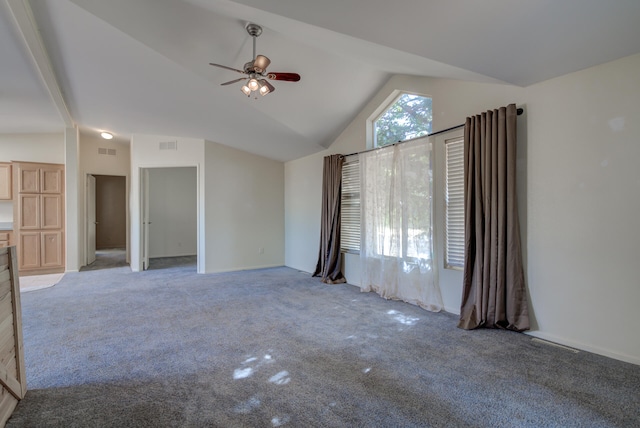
(396, 253)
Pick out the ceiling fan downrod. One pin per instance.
(254, 31)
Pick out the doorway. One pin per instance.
(169, 209)
(106, 210)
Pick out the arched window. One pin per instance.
(409, 116)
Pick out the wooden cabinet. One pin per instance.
(5, 181)
(28, 250)
(5, 238)
(38, 213)
(39, 178)
(51, 254)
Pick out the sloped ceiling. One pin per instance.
(141, 66)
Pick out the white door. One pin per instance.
(144, 190)
(91, 219)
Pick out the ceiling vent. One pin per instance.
(168, 145)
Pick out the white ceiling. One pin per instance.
(141, 66)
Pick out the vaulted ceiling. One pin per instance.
(141, 66)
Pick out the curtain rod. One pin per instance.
(519, 111)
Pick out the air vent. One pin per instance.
(105, 151)
(168, 145)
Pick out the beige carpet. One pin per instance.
(38, 282)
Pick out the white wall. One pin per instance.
(244, 210)
(45, 148)
(173, 203)
(303, 206)
(579, 197)
(72, 218)
(146, 153)
(582, 208)
(6, 211)
(91, 162)
(241, 219)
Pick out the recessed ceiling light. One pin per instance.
(106, 135)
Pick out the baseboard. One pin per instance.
(584, 347)
(238, 269)
(42, 271)
(452, 310)
(175, 255)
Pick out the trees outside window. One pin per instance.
(408, 117)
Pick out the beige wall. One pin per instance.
(240, 217)
(579, 197)
(94, 163)
(245, 210)
(91, 162)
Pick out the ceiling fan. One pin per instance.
(256, 70)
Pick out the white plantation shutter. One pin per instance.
(454, 197)
(350, 208)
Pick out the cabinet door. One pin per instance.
(51, 214)
(50, 180)
(28, 179)
(29, 248)
(29, 211)
(5, 181)
(51, 246)
(5, 239)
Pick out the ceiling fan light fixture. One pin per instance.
(256, 70)
(265, 87)
(253, 84)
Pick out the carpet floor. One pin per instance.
(108, 259)
(274, 347)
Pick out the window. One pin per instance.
(350, 208)
(454, 203)
(409, 116)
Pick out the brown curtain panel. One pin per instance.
(329, 266)
(494, 293)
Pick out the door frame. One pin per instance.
(90, 230)
(137, 217)
(86, 215)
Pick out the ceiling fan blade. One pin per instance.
(227, 68)
(233, 81)
(288, 77)
(261, 63)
